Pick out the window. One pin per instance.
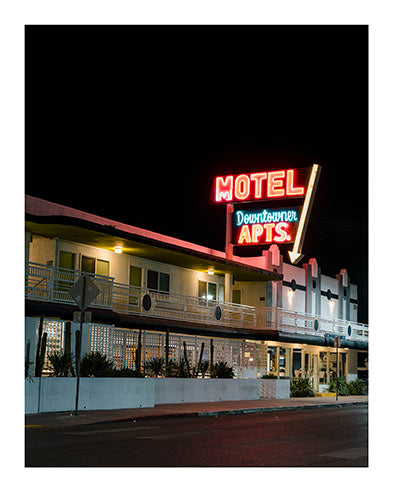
(88, 264)
(158, 281)
(91, 265)
(202, 286)
(208, 290)
(103, 268)
(164, 282)
(237, 296)
(66, 260)
(221, 293)
(135, 276)
(211, 292)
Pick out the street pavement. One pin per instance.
(319, 436)
(181, 410)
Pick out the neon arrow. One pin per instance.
(296, 254)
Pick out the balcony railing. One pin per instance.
(47, 283)
(306, 324)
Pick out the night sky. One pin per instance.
(134, 122)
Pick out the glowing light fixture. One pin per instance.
(210, 271)
(118, 249)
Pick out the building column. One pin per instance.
(228, 287)
(313, 287)
(344, 295)
(28, 239)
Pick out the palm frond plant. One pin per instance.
(155, 366)
(95, 364)
(182, 371)
(61, 364)
(204, 367)
(357, 387)
(221, 370)
(343, 389)
(301, 387)
(171, 369)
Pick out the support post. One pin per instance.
(228, 235)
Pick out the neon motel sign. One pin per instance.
(267, 225)
(258, 186)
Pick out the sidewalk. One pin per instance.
(177, 410)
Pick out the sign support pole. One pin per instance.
(78, 365)
(228, 234)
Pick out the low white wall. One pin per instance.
(58, 394)
(173, 390)
(275, 388)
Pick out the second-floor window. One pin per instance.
(210, 291)
(158, 281)
(93, 265)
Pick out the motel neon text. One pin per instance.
(258, 186)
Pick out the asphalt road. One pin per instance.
(335, 437)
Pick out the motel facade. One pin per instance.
(261, 314)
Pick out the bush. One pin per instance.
(357, 387)
(301, 387)
(155, 366)
(221, 370)
(269, 376)
(125, 372)
(61, 364)
(343, 389)
(96, 365)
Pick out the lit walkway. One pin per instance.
(64, 419)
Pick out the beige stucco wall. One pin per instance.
(182, 280)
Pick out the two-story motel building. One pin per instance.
(261, 315)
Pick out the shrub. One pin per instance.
(301, 387)
(343, 389)
(269, 376)
(221, 370)
(61, 364)
(125, 372)
(357, 387)
(182, 369)
(97, 365)
(155, 366)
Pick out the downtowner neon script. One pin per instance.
(265, 217)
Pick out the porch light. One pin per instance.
(118, 249)
(210, 271)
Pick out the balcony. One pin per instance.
(292, 322)
(52, 284)
(46, 283)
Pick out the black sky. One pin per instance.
(134, 122)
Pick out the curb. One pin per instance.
(242, 411)
(277, 409)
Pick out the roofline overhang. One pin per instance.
(71, 217)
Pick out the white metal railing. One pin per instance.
(48, 283)
(279, 319)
